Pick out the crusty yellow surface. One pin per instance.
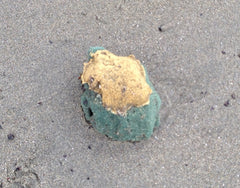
(120, 80)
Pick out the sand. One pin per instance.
(191, 50)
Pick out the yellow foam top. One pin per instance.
(120, 80)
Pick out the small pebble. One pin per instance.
(227, 103)
(10, 136)
(160, 29)
(233, 96)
